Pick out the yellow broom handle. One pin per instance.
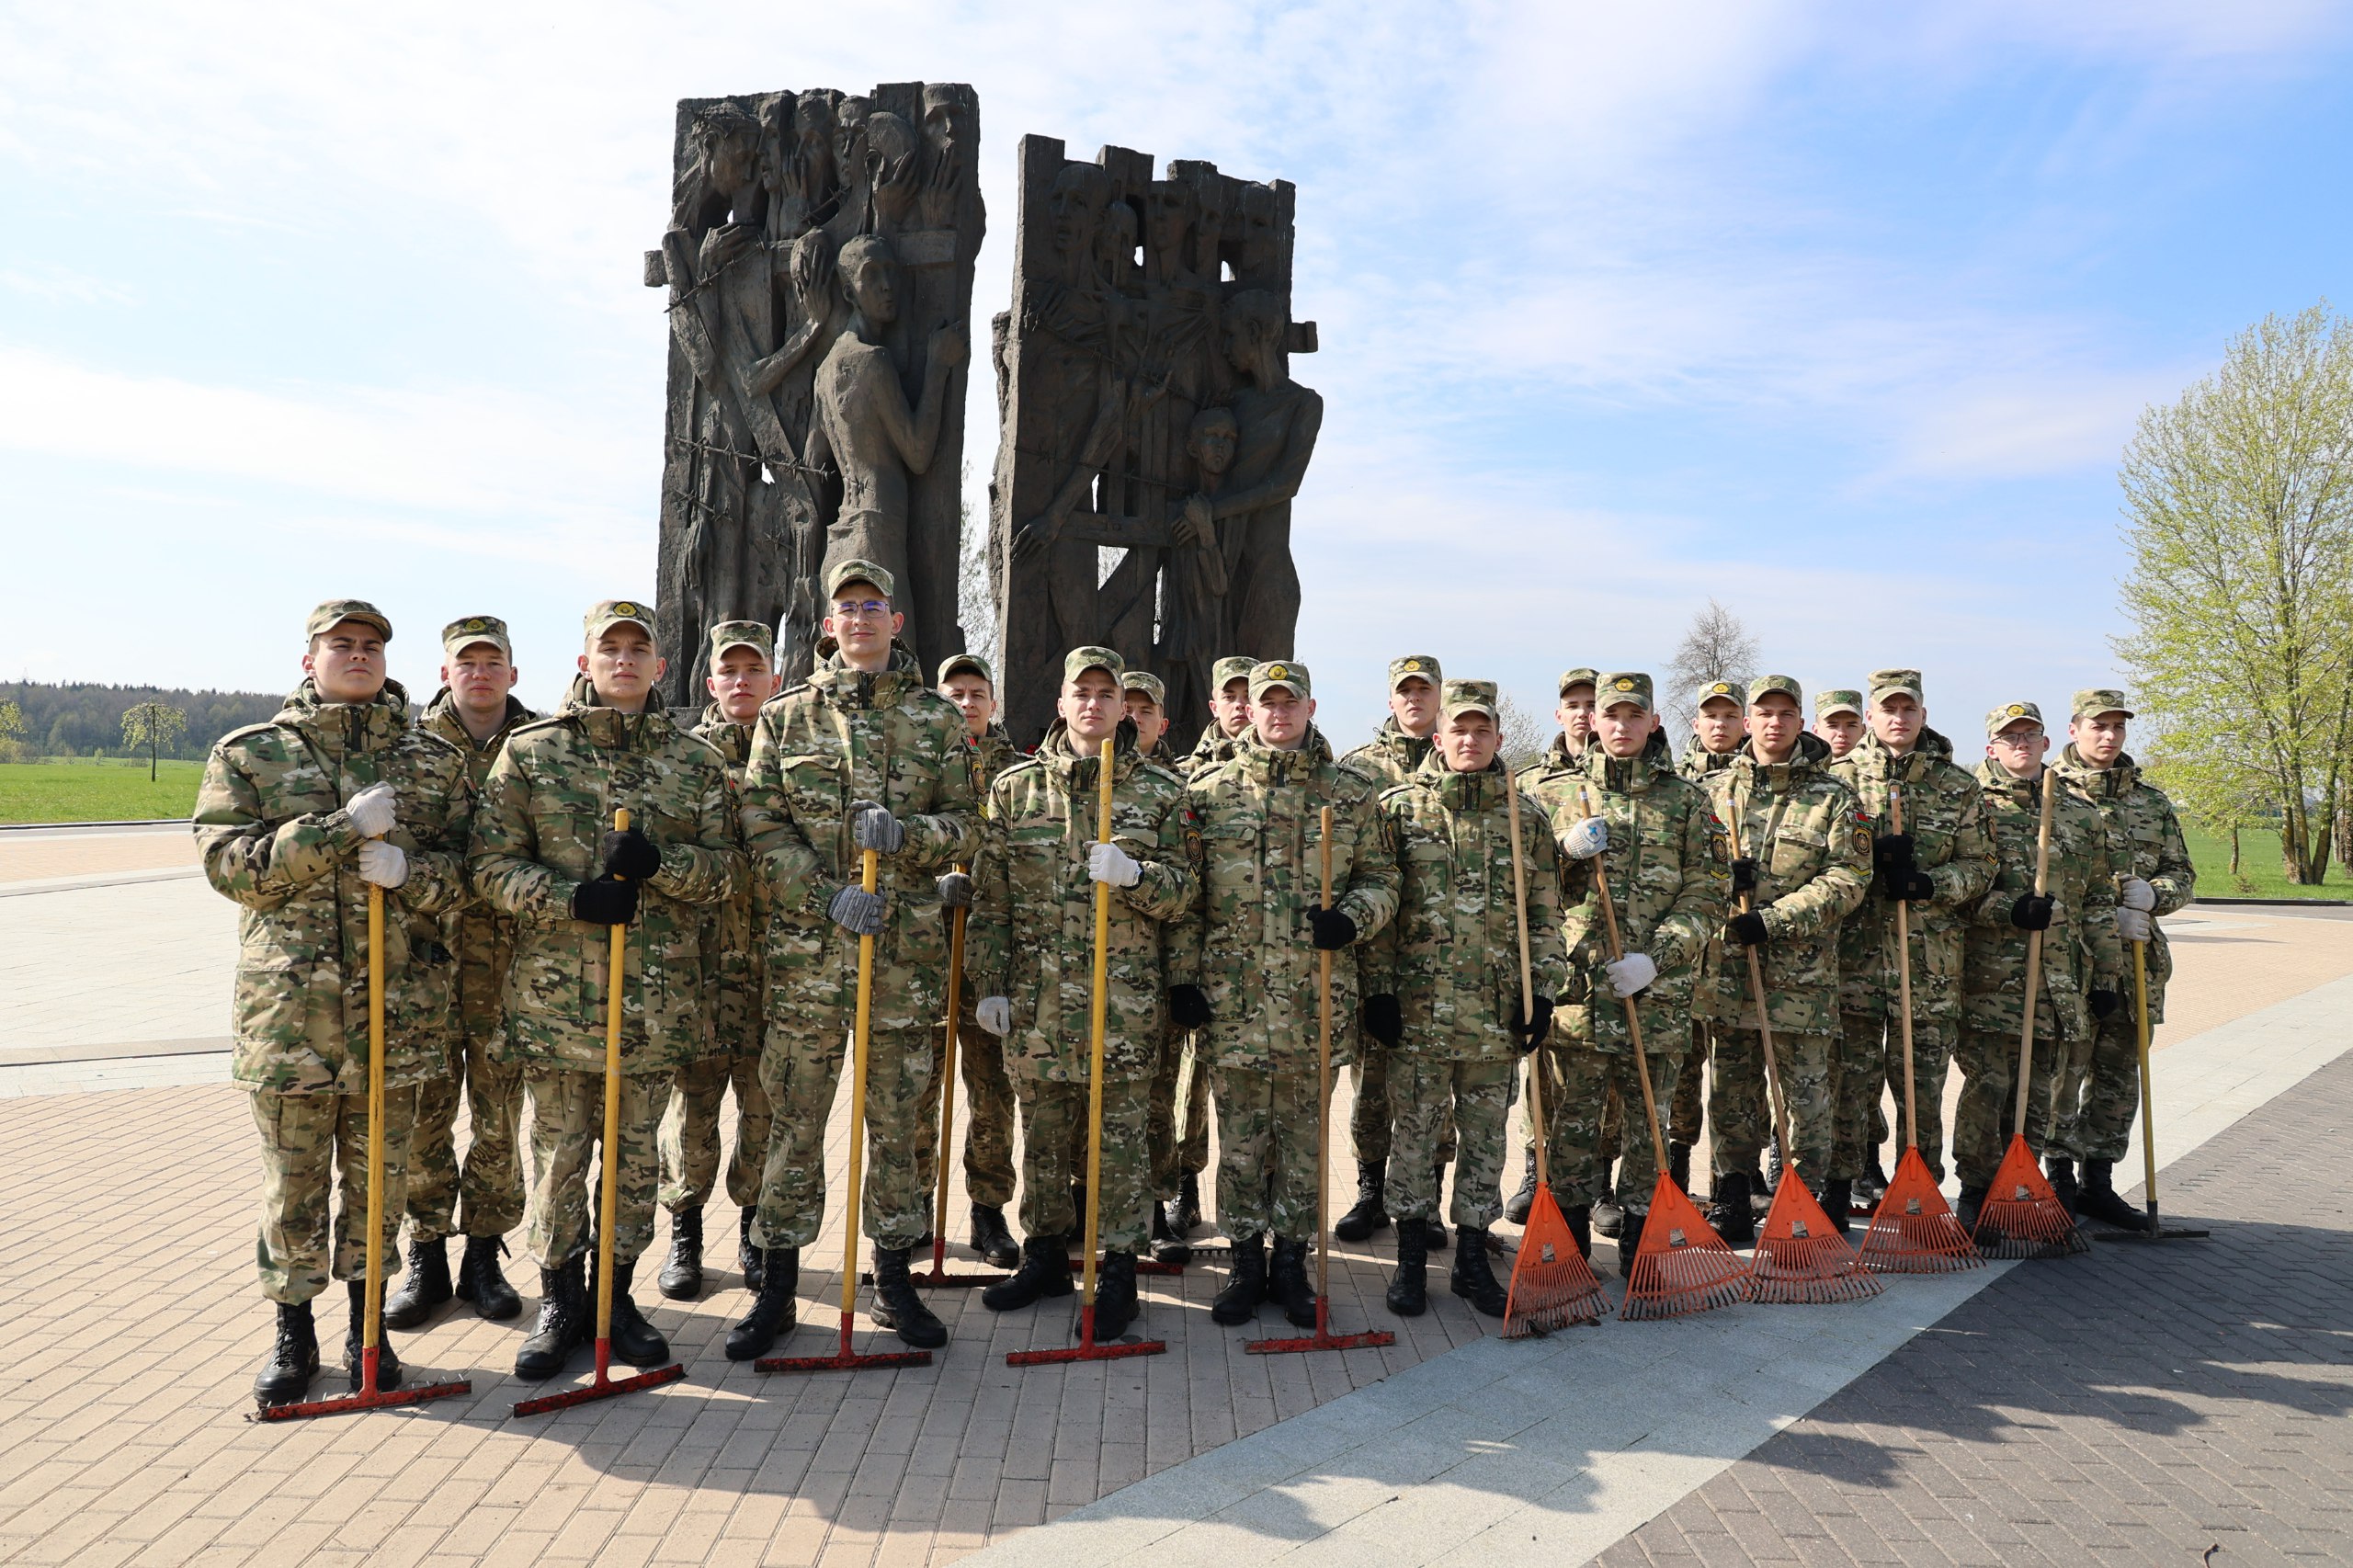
(371, 1325)
(1324, 1079)
(1097, 1018)
(2033, 959)
(1902, 983)
(869, 876)
(609, 1194)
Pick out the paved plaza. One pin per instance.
(2135, 1405)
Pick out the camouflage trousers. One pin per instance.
(984, 1111)
(1987, 1114)
(801, 1069)
(1374, 1113)
(1683, 1120)
(567, 1164)
(1180, 1129)
(2100, 1097)
(1266, 1164)
(1585, 1087)
(1869, 1058)
(690, 1136)
(1738, 1119)
(1428, 1093)
(483, 1196)
(314, 1156)
(1053, 1159)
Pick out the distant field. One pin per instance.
(95, 792)
(2259, 864)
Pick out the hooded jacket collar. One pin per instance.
(1464, 791)
(341, 727)
(2099, 783)
(2026, 793)
(847, 688)
(442, 717)
(1408, 750)
(1632, 775)
(1805, 763)
(1269, 766)
(1872, 759)
(609, 727)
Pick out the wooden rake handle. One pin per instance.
(1633, 1015)
(1527, 976)
(1098, 1023)
(1904, 980)
(2026, 1004)
(1764, 1022)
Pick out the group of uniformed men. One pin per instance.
(491, 831)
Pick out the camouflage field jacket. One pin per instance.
(1389, 757)
(2080, 952)
(1950, 845)
(731, 939)
(273, 836)
(483, 938)
(2144, 840)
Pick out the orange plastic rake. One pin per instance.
(2021, 1216)
(844, 1359)
(1323, 1339)
(1913, 1231)
(1682, 1266)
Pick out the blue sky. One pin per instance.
(1840, 314)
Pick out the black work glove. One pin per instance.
(607, 900)
(1383, 1019)
(1907, 887)
(2031, 912)
(1891, 852)
(1748, 930)
(1530, 1032)
(1743, 875)
(2105, 1002)
(1188, 1006)
(1333, 929)
(629, 854)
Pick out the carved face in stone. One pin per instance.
(1211, 440)
(946, 125)
(869, 279)
(1253, 318)
(1168, 217)
(812, 136)
(728, 149)
(1074, 204)
(850, 136)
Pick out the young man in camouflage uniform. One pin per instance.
(474, 711)
(1229, 716)
(2083, 962)
(1389, 759)
(861, 756)
(545, 852)
(296, 820)
(1178, 1137)
(1719, 724)
(1838, 720)
(2099, 1098)
(1033, 947)
(1939, 867)
(1444, 985)
(743, 676)
(1146, 697)
(1246, 971)
(1805, 856)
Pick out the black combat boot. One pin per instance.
(2060, 1171)
(482, 1282)
(896, 1305)
(774, 1310)
(1678, 1165)
(1287, 1284)
(1839, 1203)
(1580, 1220)
(565, 1322)
(991, 1239)
(1972, 1199)
(635, 1341)
(1608, 1216)
(425, 1286)
(1185, 1210)
(748, 1255)
(681, 1276)
(1245, 1287)
(1115, 1296)
(1433, 1226)
(1516, 1206)
(1358, 1223)
(1044, 1271)
(1474, 1278)
(1167, 1247)
(387, 1366)
(294, 1360)
(1871, 1186)
(2099, 1199)
(1728, 1209)
(1629, 1240)
(1408, 1295)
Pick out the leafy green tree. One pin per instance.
(157, 726)
(12, 730)
(2238, 502)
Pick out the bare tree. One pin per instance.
(975, 599)
(1715, 647)
(1526, 734)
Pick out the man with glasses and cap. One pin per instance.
(295, 820)
(475, 711)
(546, 854)
(2099, 1096)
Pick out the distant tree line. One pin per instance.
(83, 719)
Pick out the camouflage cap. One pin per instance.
(752, 634)
(612, 612)
(1579, 676)
(1414, 666)
(1078, 660)
(1837, 699)
(335, 612)
(1293, 678)
(959, 664)
(1765, 686)
(2096, 700)
(1471, 697)
(1147, 682)
(2009, 713)
(844, 572)
(1889, 683)
(468, 630)
(1714, 690)
(1621, 687)
(1233, 667)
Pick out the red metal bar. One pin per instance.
(603, 1386)
(843, 1360)
(1087, 1349)
(369, 1396)
(1321, 1339)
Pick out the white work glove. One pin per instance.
(1630, 973)
(2136, 894)
(1109, 863)
(370, 811)
(2134, 924)
(382, 863)
(995, 1014)
(1588, 838)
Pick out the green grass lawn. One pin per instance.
(96, 791)
(2259, 864)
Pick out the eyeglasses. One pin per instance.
(873, 610)
(2019, 738)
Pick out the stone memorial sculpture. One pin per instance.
(818, 264)
(1146, 406)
